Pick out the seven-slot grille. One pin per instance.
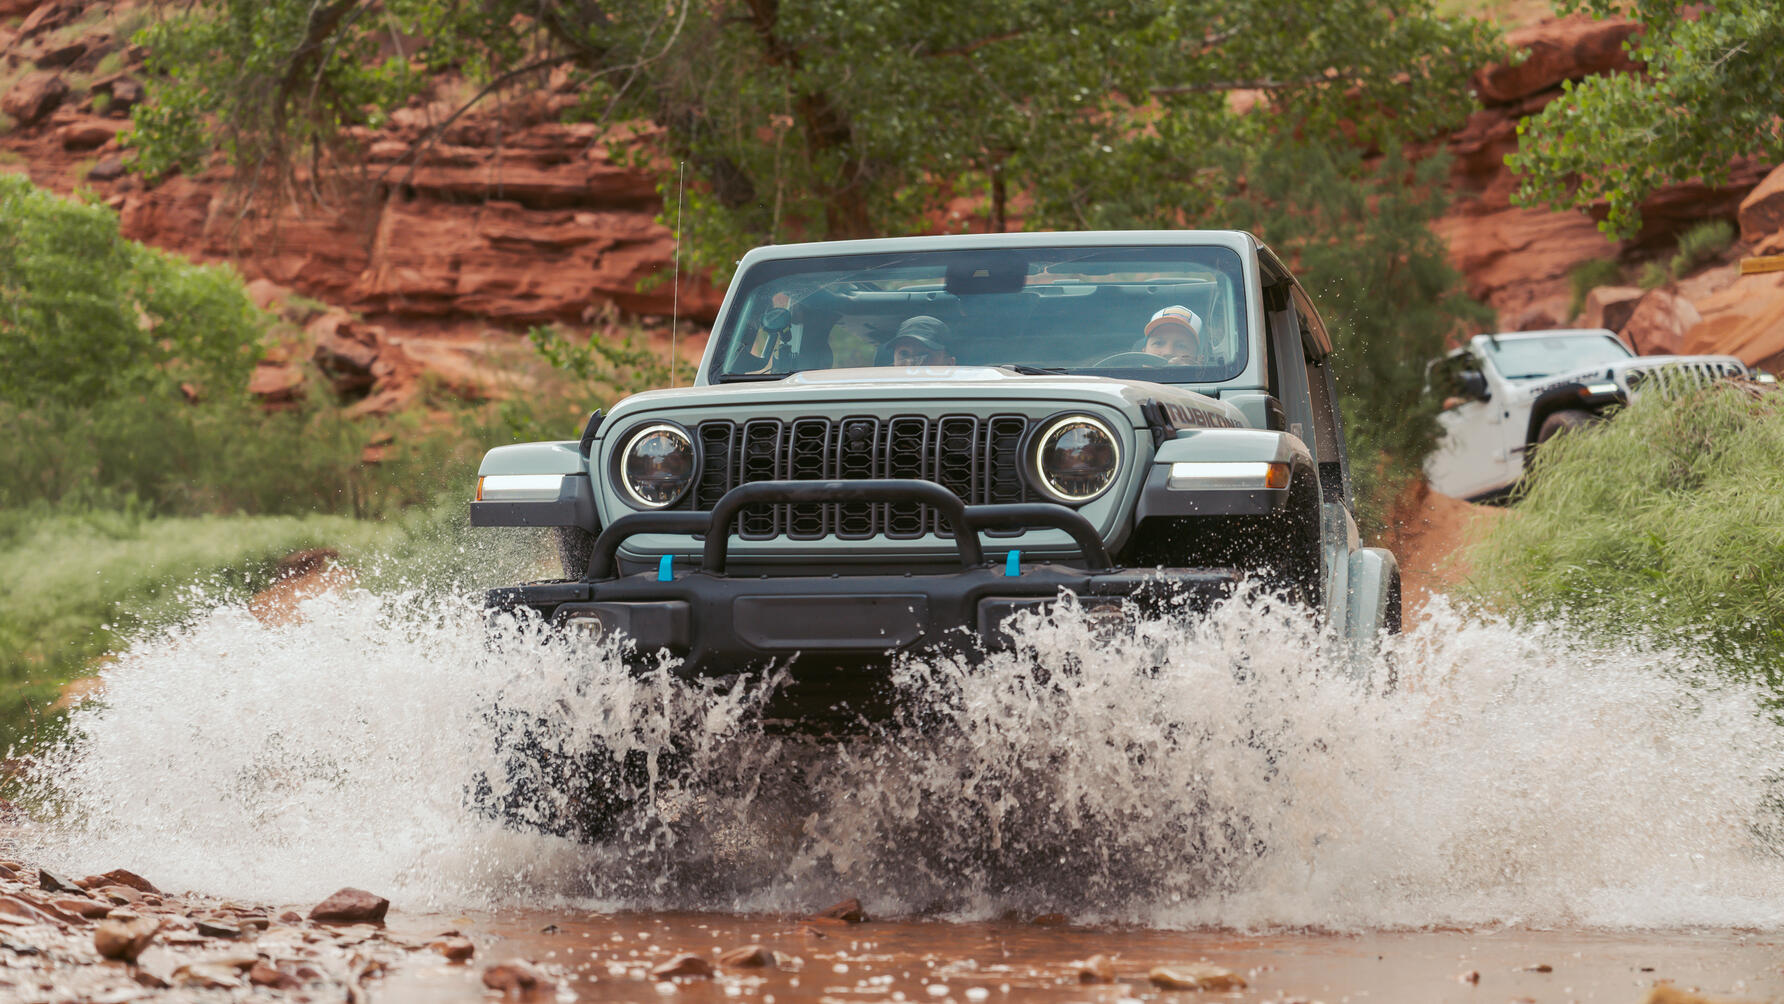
(1670, 378)
(978, 459)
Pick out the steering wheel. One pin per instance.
(1133, 359)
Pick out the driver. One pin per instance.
(1174, 334)
(921, 341)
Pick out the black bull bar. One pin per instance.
(719, 624)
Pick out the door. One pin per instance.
(1470, 459)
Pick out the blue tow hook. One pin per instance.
(666, 568)
(1013, 564)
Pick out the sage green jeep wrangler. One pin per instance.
(895, 445)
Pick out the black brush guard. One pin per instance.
(719, 624)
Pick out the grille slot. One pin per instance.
(978, 459)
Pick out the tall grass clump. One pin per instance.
(1666, 520)
(1586, 277)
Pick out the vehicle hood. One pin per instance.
(967, 385)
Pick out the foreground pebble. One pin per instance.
(748, 957)
(688, 966)
(1196, 976)
(351, 906)
(517, 978)
(1096, 969)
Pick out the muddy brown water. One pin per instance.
(608, 957)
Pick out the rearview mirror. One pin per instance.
(1473, 384)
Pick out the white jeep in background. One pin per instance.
(1505, 393)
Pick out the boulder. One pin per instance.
(1762, 211)
(89, 134)
(1745, 320)
(60, 56)
(109, 169)
(1658, 324)
(276, 384)
(1610, 307)
(351, 906)
(34, 96)
(346, 350)
(1567, 49)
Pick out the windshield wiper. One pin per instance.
(748, 377)
(1027, 370)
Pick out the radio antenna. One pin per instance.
(675, 295)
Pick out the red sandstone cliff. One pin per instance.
(512, 218)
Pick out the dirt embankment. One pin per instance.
(1430, 533)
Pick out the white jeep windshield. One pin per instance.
(1533, 358)
(1071, 310)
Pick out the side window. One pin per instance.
(1327, 440)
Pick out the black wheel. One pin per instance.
(1566, 420)
(1394, 620)
(574, 547)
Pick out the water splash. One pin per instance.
(1217, 770)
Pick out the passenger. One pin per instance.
(921, 341)
(1175, 335)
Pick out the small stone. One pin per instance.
(549, 929)
(207, 975)
(254, 921)
(685, 966)
(351, 906)
(81, 906)
(1049, 920)
(1096, 969)
(218, 929)
(455, 949)
(516, 978)
(51, 882)
(812, 932)
(119, 895)
(1539, 967)
(848, 911)
(265, 974)
(147, 979)
(1470, 977)
(748, 957)
(131, 880)
(125, 939)
(291, 917)
(1198, 976)
(8, 873)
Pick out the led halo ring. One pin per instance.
(1038, 467)
(633, 498)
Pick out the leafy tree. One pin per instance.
(1713, 92)
(87, 315)
(807, 119)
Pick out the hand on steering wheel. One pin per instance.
(1133, 359)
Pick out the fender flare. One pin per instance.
(1572, 395)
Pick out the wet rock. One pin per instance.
(218, 929)
(1666, 993)
(686, 966)
(455, 949)
(812, 932)
(1610, 306)
(1048, 920)
(1096, 969)
(291, 917)
(33, 97)
(748, 957)
(81, 906)
(8, 873)
(34, 911)
(516, 978)
(130, 880)
(144, 978)
(265, 974)
(119, 895)
(848, 911)
(1539, 967)
(124, 940)
(207, 976)
(51, 882)
(351, 906)
(1196, 976)
(1471, 977)
(254, 921)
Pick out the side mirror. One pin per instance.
(1473, 384)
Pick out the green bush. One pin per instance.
(1700, 245)
(86, 315)
(1667, 519)
(1586, 277)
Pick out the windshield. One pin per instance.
(1530, 358)
(1169, 314)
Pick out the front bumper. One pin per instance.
(718, 625)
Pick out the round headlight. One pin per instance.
(1076, 458)
(656, 466)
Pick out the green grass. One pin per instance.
(75, 587)
(1586, 277)
(1667, 520)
